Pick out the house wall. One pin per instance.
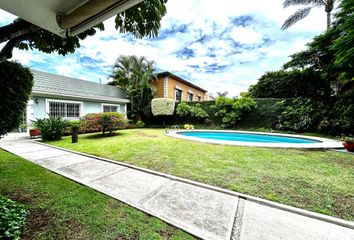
(172, 83)
(38, 110)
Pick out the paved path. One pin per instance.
(202, 210)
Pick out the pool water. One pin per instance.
(247, 137)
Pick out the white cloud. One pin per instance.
(219, 45)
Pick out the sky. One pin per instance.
(223, 45)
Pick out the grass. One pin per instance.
(62, 209)
(320, 181)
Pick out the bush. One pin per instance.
(231, 110)
(162, 106)
(195, 111)
(16, 84)
(107, 121)
(300, 114)
(90, 123)
(12, 218)
(140, 124)
(52, 128)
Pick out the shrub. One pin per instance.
(12, 218)
(52, 128)
(300, 114)
(231, 110)
(74, 127)
(140, 124)
(16, 84)
(196, 111)
(162, 106)
(90, 123)
(107, 121)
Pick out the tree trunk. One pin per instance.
(328, 20)
(74, 136)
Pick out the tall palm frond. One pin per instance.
(304, 12)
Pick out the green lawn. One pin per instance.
(320, 181)
(62, 209)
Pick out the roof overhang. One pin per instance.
(63, 17)
(77, 97)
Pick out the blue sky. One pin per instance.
(223, 45)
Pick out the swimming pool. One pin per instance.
(248, 137)
(256, 139)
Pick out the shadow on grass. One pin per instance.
(100, 135)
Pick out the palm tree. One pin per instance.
(133, 74)
(304, 12)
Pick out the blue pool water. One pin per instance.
(247, 137)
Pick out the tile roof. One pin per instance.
(52, 84)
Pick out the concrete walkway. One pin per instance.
(202, 210)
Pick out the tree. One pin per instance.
(133, 74)
(140, 20)
(15, 83)
(290, 84)
(304, 12)
(343, 45)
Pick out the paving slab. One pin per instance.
(262, 222)
(24, 148)
(130, 185)
(205, 213)
(90, 170)
(56, 162)
(36, 155)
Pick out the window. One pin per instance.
(178, 94)
(110, 108)
(64, 109)
(199, 98)
(190, 97)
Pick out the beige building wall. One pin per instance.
(168, 91)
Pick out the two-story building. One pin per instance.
(169, 85)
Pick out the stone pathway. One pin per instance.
(202, 210)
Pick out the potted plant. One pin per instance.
(348, 143)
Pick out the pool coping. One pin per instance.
(323, 144)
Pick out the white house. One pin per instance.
(71, 98)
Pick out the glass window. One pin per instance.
(110, 108)
(199, 98)
(64, 109)
(190, 97)
(178, 95)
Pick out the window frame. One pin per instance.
(109, 104)
(189, 95)
(181, 91)
(49, 100)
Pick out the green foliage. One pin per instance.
(140, 124)
(344, 44)
(183, 109)
(143, 19)
(107, 121)
(75, 125)
(300, 114)
(12, 218)
(162, 106)
(291, 84)
(231, 110)
(339, 117)
(348, 139)
(189, 111)
(16, 84)
(133, 74)
(52, 128)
